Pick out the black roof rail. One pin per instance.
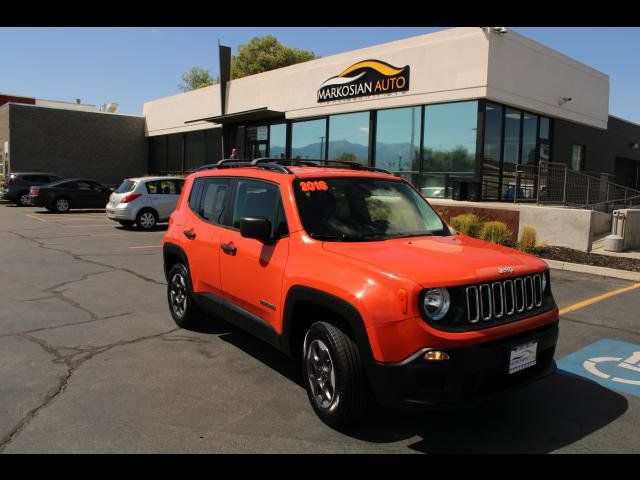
(280, 164)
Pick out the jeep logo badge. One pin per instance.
(505, 270)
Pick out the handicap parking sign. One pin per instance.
(611, 363)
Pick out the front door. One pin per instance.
(252, 272)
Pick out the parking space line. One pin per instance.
(35, 218)
(147, 246)
(91, 225)
(597, 298)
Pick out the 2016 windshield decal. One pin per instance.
(369, 77)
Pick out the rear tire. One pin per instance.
(23, 199)
(61, 205)
(334, 375)
(183, 308)
(147, 219)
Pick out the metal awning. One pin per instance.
(255, 115)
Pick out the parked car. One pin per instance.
(144, 201)
(352, 272)
(16, 185)
(64, 195)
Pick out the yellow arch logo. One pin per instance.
(381, 67)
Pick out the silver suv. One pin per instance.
(144, 201)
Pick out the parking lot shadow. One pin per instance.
(542, 417)
(539, 418)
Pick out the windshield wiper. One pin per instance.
(407, 235)
(343, 237)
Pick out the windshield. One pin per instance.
(364, 209)
(126, 186)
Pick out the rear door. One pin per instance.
(165, 197)
(252, 272)
(201, 233)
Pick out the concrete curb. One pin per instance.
(590, 269)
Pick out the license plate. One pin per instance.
(523, 356)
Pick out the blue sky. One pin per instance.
(134, 65)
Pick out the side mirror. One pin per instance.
(256, 227)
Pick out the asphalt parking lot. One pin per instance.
(91, 361)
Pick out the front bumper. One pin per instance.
(472, 374)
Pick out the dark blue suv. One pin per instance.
(16, 185)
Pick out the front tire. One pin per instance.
(147, 219)
(334, 375)
(183, 309)
(62, 205)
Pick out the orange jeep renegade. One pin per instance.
(350, 270)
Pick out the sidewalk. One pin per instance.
(598, 247)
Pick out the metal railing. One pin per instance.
(557, 184)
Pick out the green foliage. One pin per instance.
(458, 159)
(496, 232)
(262, 54)
(196, 77)
(527, 241)
(347, 157)
(467, 224)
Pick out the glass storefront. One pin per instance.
(308, 139)
(449, 146)
(398, 141)
(349, 137)
(431, 146)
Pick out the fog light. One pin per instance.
(436, 356)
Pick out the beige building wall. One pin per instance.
(450, 65)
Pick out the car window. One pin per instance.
(82, 185)
(153, 187)
(256, 198)
(194, 195)
(178, 186)
(68, 185)
(53, 178)
(27, 178)
(214, 198)
(126, 186)
(168, 187)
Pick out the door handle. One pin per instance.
(190, 234)
(228, 249)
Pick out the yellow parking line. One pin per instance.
(592, 300)
(147, 246)
(35, 218)
(90, 225)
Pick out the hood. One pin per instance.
(440, 261)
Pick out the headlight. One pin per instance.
(435, 303)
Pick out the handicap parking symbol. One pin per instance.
(611, 363)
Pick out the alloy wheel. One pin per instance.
(178, 295)
(147, 220)
(62, 205)
(321, 375)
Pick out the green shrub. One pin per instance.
(467, 224)
(496, 232)
(527, 241)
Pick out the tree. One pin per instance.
(196, 77)
(262, 54)
(347, 157)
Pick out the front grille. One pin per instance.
(504, 298)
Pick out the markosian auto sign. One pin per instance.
(369, 77)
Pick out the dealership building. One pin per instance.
(459, 104)
(462, 104)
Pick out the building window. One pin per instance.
(308, 139)
(349, 137)
(175, 153)
(529, 138)
(492, 151)
(577, 157)
(158, 153)
(195, 154)
(449, 146)
(277, 140)
(398, 141)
